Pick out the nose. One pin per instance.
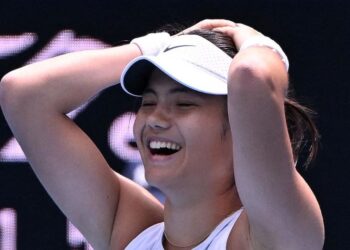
(159, 119)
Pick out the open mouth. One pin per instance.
(163, 148)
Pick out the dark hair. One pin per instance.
(301, 128)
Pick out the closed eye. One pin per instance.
(148, 104)
(185, 104)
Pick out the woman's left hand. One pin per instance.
(238, 32)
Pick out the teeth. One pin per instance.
(159, 145)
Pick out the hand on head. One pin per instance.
(237, 31)
(243, 36)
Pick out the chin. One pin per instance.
(162, 180)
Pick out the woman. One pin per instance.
(221, 153)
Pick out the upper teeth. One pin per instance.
(159, 144)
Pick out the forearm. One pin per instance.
(65, 82)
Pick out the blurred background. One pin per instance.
(314, 34)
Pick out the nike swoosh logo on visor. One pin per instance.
(179, 46)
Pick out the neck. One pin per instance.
(170, 243)
(189, 224)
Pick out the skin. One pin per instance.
(280, 210)
(172, 113)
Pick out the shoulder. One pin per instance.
(239, 237)
(138, 211)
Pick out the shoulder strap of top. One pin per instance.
(150, 238)
(218, 238)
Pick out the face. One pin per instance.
(181, 138)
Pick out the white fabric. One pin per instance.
(266, 42)
(153, 43)
(152, 237)
(190, 60)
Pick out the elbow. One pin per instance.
(7, 90)
(12, 92)
(255, 75)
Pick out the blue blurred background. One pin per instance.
(314, 34)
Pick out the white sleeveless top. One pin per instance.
(152, 237)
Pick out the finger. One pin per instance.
(230, 31)
(227, 30)
(210, 24)
(241, 25)
(215, 23)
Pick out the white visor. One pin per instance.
(190, 60)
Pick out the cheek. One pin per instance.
(203, 137)
(138, 124)
(208, 138)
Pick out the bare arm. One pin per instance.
(282, 210)
(34, 100)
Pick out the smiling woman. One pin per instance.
(215, 132)
(172, 114)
